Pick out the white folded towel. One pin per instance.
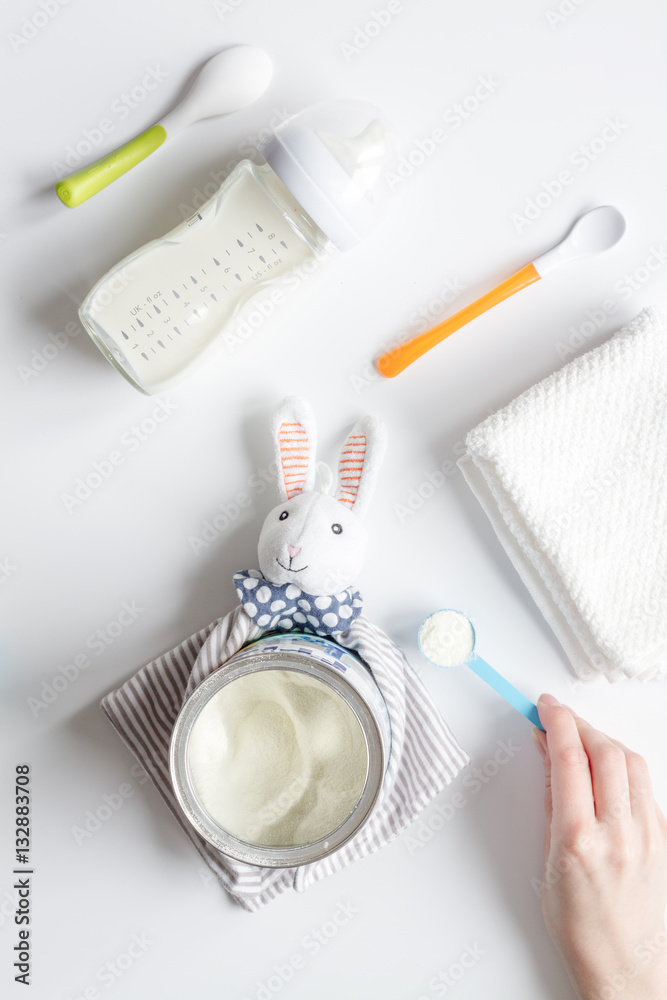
(573, 476)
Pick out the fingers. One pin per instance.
(541, 743)
(609, 773)
(571, 782)
(621, 780)
(620, 784)
(642, 804)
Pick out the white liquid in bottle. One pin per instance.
(158, 315)
(160, 310)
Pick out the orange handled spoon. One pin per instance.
(592, 233)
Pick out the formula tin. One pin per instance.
(344, 673)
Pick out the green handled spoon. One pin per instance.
(229, 81)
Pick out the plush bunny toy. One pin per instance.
(312, 545)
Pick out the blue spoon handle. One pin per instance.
(505, 689)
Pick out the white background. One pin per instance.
(66, 573)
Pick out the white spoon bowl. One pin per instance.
(229, 81)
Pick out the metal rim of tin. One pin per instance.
(256, 854)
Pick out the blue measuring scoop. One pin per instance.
(447, 639)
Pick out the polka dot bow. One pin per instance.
(286, 608)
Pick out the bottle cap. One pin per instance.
(333, 157)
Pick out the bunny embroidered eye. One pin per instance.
(336, 528)
(284, 515)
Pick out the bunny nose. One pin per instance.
(293, 551)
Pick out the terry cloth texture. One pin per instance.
(284, 607)
(424, 757)
(573, 476)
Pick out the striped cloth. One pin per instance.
(424, 758)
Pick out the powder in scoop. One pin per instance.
(446, 638)
(277, 758)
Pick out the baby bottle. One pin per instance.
(161, 312)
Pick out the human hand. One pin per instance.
(605, 860)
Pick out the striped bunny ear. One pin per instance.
(360, 461)
(294, 438)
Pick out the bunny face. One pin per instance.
(316, 540)
(313, 541)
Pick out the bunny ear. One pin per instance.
(294, 440)
(360, 461)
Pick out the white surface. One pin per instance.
(544, 94)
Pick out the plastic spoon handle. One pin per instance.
(393, 362)
(227, 82)
(78, 187)
(505, 689)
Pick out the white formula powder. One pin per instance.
(447, 638)
(277, 758)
